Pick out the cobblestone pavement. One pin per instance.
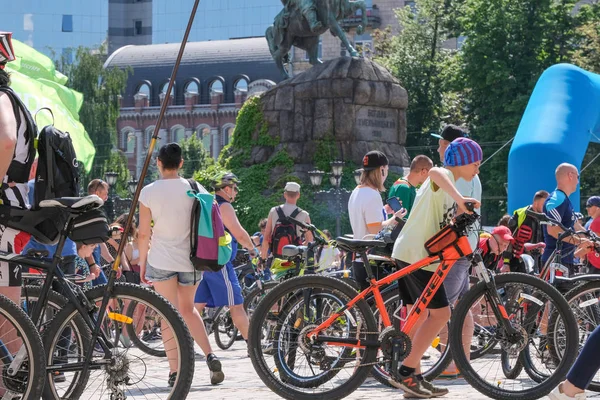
(242, 382)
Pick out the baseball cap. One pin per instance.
(374, 159)
(292, 187)
(503, 232)
(593, 201)
(462, 151)
(450, 133)
(7, 53)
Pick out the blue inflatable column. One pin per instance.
(561, 118)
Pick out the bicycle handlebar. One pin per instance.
(544, 219)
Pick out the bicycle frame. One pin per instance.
(447, 259)
(77, 298)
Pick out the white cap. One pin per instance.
(292, 187)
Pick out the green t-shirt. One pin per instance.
(406, 192)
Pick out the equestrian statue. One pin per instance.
(301, 22)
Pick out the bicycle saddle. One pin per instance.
(291, 251)
(74, 203)
(356, 245)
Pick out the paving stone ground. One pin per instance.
(242, 383)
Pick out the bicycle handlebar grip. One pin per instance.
(470, 206)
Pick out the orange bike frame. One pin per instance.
(447, 259)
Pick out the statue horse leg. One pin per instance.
(312, 49)
(279, 52)
(337, 30)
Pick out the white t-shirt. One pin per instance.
(432, 210)
(327, 257)
(471, 189)
(365, 207)
(171, 209)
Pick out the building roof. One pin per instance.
(211, 52)
(225, 60)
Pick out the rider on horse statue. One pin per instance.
(308, 10)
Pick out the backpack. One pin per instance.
(58, 169)
(210, 244)
(284, 232)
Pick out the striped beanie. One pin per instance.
(462, 151)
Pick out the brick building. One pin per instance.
(214, 80)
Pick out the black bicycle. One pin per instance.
(84, 357)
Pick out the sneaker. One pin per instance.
(269, 349)
(412, 386)
(172, 379)
(59, 377)
(98, 351)
(436, 391)
(557, 394)
(214, 365)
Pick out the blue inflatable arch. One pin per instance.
(561, 119)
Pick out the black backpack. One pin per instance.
(58, 169)
(284, 232)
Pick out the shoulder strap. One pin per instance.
(280, 212)
(193, 184)
(297, 211)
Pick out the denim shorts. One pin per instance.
(161, 275)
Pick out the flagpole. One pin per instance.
(152, 145)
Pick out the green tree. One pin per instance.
(417, 57)
(195, 157)
(117, 162)
(101, 88)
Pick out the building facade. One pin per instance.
(214, 80)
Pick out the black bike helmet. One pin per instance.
(225, 179)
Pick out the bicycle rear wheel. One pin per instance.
(130, 372)
(20, 338)
(525, 299)
(225, 331)
(299, 368)
(145, 333)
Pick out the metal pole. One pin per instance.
(152, 145)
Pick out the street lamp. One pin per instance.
(357, 175)
(111, 178)
(132, 185)
(337, 167)
(335, 178)
(316, 177)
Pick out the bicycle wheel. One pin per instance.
(225, 331)
(584, 301)
(255, 296)
(129, 372)
(29, 298)
(300, 368)
(20, 338)
(144, 333)
(524, 298)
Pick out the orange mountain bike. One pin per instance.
(326, 338)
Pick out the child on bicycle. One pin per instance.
(437, 203)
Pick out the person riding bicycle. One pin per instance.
(406, 188)
(525, 229)
(559, 208)
(222, 288)
(437, 203)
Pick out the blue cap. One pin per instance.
(462, 151)
(593, 201)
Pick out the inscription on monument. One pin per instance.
(377, 122)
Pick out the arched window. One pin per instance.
(192, 87)
(241, 85)
(178, 134)
(148, 135)
(216, 87)
(227, 135)
(130, 147)
(124, 137)
(144, 89)
(164, 87)
(203, 133)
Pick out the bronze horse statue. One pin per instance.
(301, 22)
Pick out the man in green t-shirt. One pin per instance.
(406, 188)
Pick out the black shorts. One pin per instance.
(411, 286)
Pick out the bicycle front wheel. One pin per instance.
(121, 372)
(528, 302)
(298, 367)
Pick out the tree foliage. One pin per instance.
(195, 156)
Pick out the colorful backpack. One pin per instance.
(284, 232)
(210, 244)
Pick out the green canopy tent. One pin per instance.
(35, 79)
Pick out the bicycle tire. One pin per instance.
(571, 296)
(298, 285)
(224, 315)
(129, 292)
(134, 337)
(30, 336)
(250, 299)
(511, 371)
(495, 391)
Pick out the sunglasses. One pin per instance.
(235, 188)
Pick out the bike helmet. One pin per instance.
(225, 179)
(7, 53)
